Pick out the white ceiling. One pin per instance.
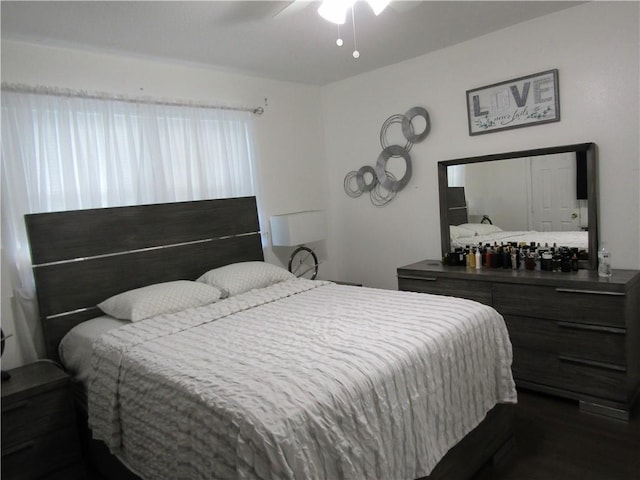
(252, 37)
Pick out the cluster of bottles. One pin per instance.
(515, 256)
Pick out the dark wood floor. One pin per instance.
(555, 441)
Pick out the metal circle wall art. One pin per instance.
(381, 168)
(399, 119)
(362, 183)
(381, 196)
(383, 185)
(349, 187)
(407, 126)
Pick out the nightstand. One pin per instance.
(39, 431)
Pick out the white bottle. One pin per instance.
(604, 261)
(478, 258)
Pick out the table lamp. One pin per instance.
(296, 230)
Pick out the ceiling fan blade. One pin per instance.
(239, 12)
(294, 6)
(404, 6)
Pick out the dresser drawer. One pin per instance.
(32, 416)
(571, 374)
(478, 291)
(590, 342)
(569, 305)
(38, 456)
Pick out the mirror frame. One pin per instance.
(590, 152)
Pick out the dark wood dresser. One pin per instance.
(575, 334)
(39, 432)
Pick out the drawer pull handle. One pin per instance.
(15, 406)
(414, 277)
(592, 363)
(589, 292)
(592, 328)
(18, 448)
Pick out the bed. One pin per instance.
(275, 378)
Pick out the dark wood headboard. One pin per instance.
(83, 257)
(457, 206)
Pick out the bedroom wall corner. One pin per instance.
(595, 47)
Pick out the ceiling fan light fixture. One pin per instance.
(335, 11)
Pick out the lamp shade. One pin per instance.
(298, 228)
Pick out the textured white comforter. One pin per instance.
(303, 379)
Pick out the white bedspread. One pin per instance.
(303, 379)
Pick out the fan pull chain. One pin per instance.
(356, 53)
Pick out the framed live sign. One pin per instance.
(521, 102)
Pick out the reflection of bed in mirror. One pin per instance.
(544, 196)
(464, 233)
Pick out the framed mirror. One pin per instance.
(546, 195)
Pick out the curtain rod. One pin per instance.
(67, 92)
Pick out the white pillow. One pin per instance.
(244, 276)
(77, 345)
(167, 297)
(456, 231)
(481, 228)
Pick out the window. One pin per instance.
(65, 152)
(75, 152)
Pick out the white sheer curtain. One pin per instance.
(70, 152)
(455, 175)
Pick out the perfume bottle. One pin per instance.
(546, 261)
(604, 261)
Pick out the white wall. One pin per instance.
(310, 137)
(594, 46)
(290, 142)
(289, 133)
(499, 189)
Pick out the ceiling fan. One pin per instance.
(336, 11)
(239, 12)
(295, 6)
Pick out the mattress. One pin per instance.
(302, 379)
